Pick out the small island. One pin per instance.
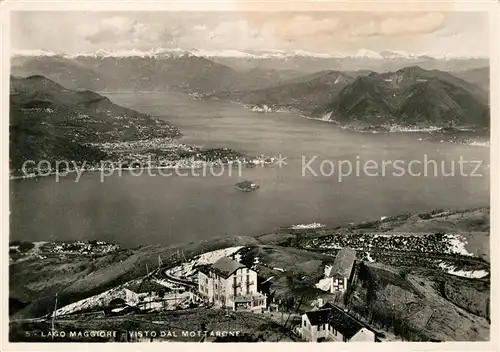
(246, 186)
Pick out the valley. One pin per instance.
(45, 117)
(125, 252)
(409, 94)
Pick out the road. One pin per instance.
(177, 280)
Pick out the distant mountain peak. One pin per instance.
(368, 54)
(413, 68)
(32, 52)
(154, 53)
(37, 77)
(159, 53)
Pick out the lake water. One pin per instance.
(147, 209)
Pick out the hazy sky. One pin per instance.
(433, 33)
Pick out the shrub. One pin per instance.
(26, 246)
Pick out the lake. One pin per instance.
(141, 210)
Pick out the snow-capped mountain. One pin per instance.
(154, 53)
(105, 53)
(209, 70)
(178, 52)
(225, 53)
(32, 53)
(369, 54)
(222, 53)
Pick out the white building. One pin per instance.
(340, 273)
(228, 283)
(331, 323)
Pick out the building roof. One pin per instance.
(343, 262)
(338, 319)
(344, 323)
(224, 267)
(318, 317)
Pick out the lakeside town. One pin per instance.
(148, 154)
(25, 250)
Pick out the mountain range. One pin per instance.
(133, 73)
(367, 59)
(255, 54)
(478, 76)
(409, 96)
(207, 72)
(50, 122)
(305, 93)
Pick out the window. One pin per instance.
(338, 284)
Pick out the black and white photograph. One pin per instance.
(248, 176)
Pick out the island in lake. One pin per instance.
(246, 186)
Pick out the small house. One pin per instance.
(332, 323)
(342, 270)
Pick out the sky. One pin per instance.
(431, 33)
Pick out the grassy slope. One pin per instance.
(422, 97)
(478, 76)
(474, 224)
(387, 295)
(442, 306)
(77, 278)
(50, 122)
(189, 73)
(37, 281)
(302, 270)
(306, 93)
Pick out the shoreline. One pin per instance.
(400, 129)
(340, 227)
(181, 168)
(383, 128)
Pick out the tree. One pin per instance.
(26, 246)
(302, 290)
